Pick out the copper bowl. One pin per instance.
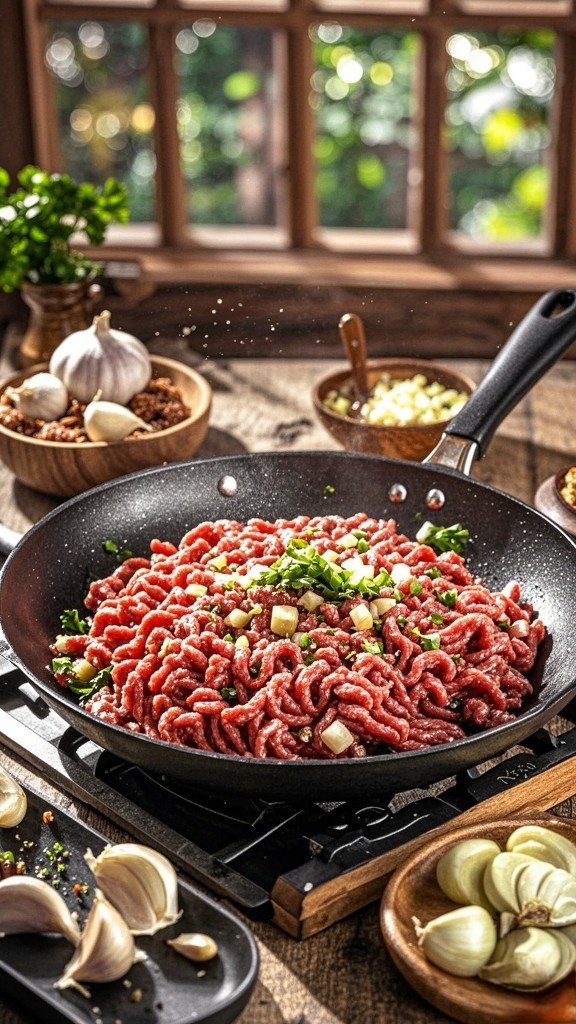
(65, 468)
(399, 442)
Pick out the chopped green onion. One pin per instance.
(329, 489)
(401, 620)
(436, 618)
(363, 546)
(361, 534)
(305, 641)
(416, 588)
(449, 598)
(456, 658)
(503, 625)
(373, 646)
(228, 637)
(433, 573)
(228, 692)
(429, 641)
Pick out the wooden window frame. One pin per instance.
(428, 243)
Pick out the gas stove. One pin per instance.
(303, 866)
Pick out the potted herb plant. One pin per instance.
(56, 281)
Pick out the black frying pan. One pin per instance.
(45, 572)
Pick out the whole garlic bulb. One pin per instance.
(41, 396)
(102, 359)
(108, 421)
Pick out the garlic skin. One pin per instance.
(105, 951)
(102, 359)
(41, 396)
(107, 421)
(460, 942)
(544, 844)
(30, 905)
(13, 802)
(140, 883)
(530, 960)
(194, 946)
(460, 871)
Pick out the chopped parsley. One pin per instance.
(444, 538)
(429, 641)
(448, 597)
(228, 692)
(66, 667)
(72, 623)
(112, 548)
(373, 646)
(302, 567)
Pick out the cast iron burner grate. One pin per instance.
(266, 857)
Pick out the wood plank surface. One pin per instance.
(343, 975)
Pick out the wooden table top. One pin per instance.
(343, 975)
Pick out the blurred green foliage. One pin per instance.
(499, 87)
(39, 218)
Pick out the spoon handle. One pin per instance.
(353, 338)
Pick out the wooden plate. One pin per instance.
(413, 890)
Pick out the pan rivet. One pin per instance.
(435, 498)
(398, 493)
(227, 485)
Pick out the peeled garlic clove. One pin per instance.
(13, 801)
(544, 844)
(500, 880)
(29, 905)
(195, 946)
(107, 421)
(530, 960)
(550, 901)
(106, 950)
(460, 871)
(41, 396)
(460, 942)
(140, 883)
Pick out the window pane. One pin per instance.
(104, 115)
(362, 94)
(500, 86)
(229, 124)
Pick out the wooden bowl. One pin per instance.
(66, 468)
(409, 442)
(413, 891)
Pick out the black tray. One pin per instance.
(174, 990)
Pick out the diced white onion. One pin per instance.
(519, 629)
(196, 589)
(219, 562)
(337, 737)
(284, 619)
(423, 532)
(242, 641)
(381, 605)
(237, 618)
(400, 572)
(329, 556)
(84, 670)
(224, 577)
(362, 617)
(347, 541)
(310, 601)
(165, 647)
(61, 644)
(353, 564)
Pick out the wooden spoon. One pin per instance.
(353, 338)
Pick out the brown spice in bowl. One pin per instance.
(160, 405)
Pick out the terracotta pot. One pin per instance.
(56, 311)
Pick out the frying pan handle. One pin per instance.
(538, 341)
